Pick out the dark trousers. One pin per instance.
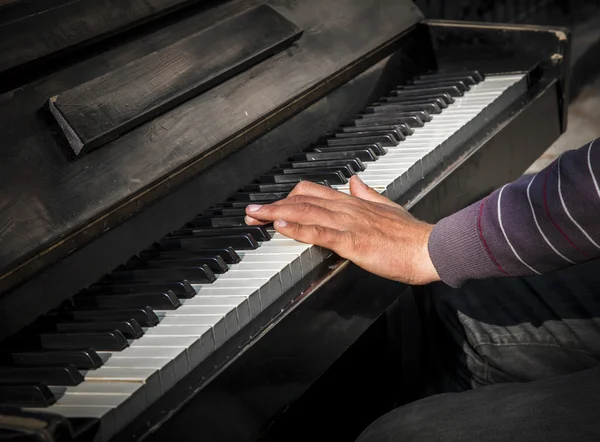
(516, 359)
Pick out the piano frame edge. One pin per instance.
(474, 169)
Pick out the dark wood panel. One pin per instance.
(40, 33)
(99, 110)
(50, 206)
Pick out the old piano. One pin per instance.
(134, 302)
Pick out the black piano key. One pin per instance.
(258, 232)
(386, 140)
(235, 211)
(332, 177)
(99, 341)
(244, 204)
(159, 301)
(345, 170)
(82, 359)
(130, 328)
(258, 196)
(462, 87)
(374, 120)
(396, 134)
(423, 116)
(364, 155)
(466, 81)
(32, 394)
(377, 148)
(403, 129)
(145, 316)
(442, 100)
(183, 289)
(430, 108)
(67, 375)
(453, 91)
(227, 254)
(273, 187)
(215, 263)
(193, 274)
(476, 75)
(238, 242)
(355, 164)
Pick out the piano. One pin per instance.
(135, 304)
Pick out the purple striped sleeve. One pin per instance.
(534, 225)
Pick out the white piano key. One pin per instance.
(177, 356)
(251, 294)
(204, 333)
(195, 314)
(165, 367)
(217, 322)
(193, 345)
(239, 303)
(150, 377)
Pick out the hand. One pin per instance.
(365, 227)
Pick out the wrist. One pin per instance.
(426, 269)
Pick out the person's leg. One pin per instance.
(562, 408)
(516, 329)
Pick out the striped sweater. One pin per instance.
(532, 226)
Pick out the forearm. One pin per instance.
(532, 226)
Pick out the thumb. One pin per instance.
(360, 190)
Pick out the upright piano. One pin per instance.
(135, 304)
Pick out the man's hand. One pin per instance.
(366, 228)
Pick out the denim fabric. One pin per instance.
(518, 360)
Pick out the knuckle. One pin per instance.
(302, 187)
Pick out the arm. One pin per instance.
(531, 226)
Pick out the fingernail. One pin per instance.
(253, 207)
(249, 219)
(280, 223)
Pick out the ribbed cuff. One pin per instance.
(456, 249)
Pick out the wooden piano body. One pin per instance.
(68, 220)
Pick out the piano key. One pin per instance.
(180, 288)
(404, 129)
(259, 233)
(461, 84)
(144, 316)
(453, 91)
(81, 359)
(165, 300)
(65, 375)
(237, 242)
(194, 346)
(215, 263)
(238, 303)
(362, 120)
(430, 108)
(164, 367)
(203, 314)
(347, 171)
(177, 356)
(204, 333)
(271, 187)
(364, 155)
(331, 177)
(355, 164)
(478, 76)
(354, 140)
(224, 327)
(422, 115)
(258, 196)
(467, 80)
(228, 254)
(149, 377)
(192, 274)
(27, 395)
(377, 148)
(113, 340)
(130, 328)
(251, 295)
(396, 134)
(442, 100)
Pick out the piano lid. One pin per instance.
(52, 205)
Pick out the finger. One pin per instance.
(301, 199)
(360, 190)
(301, 213)
(310, 234)
(254, 222)
(307, 188)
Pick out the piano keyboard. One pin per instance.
(123, 342)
